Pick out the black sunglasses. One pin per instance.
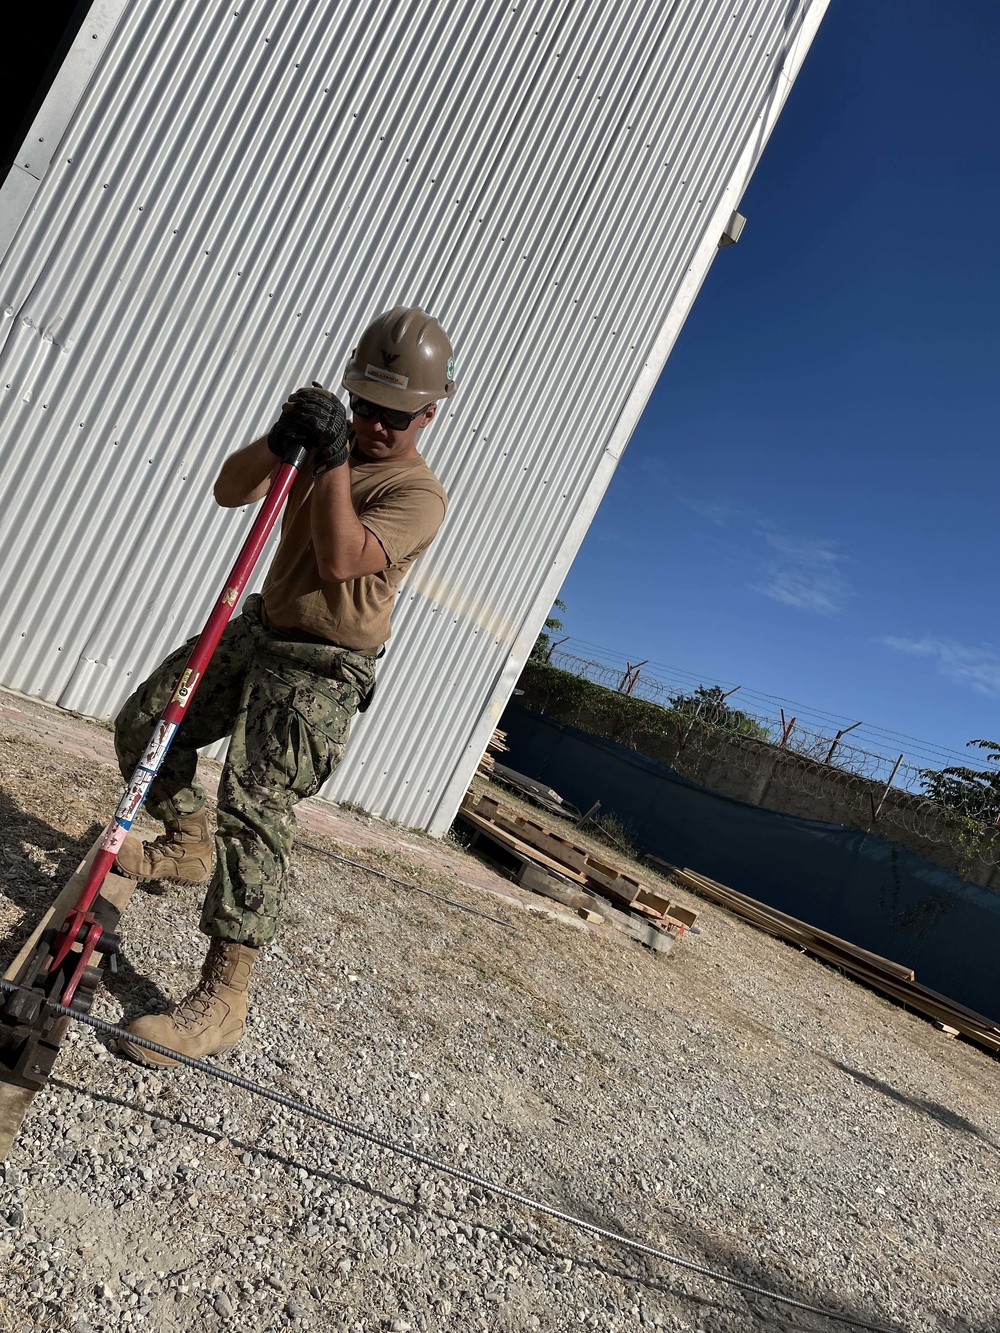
(391, 417)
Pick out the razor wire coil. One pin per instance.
(748, 751)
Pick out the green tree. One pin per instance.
(972, 792)
(708, 704)
(543, 644)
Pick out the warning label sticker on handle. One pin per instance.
(158, 745)
(128, 806)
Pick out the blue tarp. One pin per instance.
(857, 885)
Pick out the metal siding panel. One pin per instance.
(237, 192)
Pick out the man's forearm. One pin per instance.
(344, 547)
(246, 475)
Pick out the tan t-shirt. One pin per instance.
(402, 503)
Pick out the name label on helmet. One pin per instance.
(386, 376)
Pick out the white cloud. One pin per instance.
(978, 667)
(801, 573)
(805, 575)
(722, 513)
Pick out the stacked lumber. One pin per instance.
(537, 843)
(497, 744)
(882, 974)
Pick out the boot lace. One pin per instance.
(193, 1009)
(164, 848)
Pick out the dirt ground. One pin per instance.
(736, 1103)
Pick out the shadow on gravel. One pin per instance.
(136, 993)
(698, 1245)
(708, 1250)
(944, 1116)
(30, 886)
(717, 1253)
(33, 888)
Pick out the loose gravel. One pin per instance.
(737, 1103)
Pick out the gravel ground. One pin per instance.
(737, 1103)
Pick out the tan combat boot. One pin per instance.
(182, 853)
(209, 1021)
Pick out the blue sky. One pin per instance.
(809, 506)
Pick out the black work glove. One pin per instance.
(314, 417)
(285, 438)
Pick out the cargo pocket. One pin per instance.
(299, 739)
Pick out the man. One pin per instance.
(293, 668)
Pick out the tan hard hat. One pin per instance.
(403, 360)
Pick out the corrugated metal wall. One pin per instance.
(235, 190)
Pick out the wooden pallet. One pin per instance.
(882, 974)
(116, 890)
(536, 843)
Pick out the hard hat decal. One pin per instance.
(449, 373)
(386, 376)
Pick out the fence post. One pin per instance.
(836, 739)
(888, 785)
(786, 728)
(627, 682)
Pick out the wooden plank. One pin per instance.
(600, 867)
(516, 844)
(117, 890)
(531, 831)
(541, 881)
(655, 901)
(486, 807)
(731, 897)
(552, 849)
(538, 836)
(988, 1037)
(892, 979)
(619, 886)
(683, 914)
(594, 918)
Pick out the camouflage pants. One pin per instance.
(287, 707)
